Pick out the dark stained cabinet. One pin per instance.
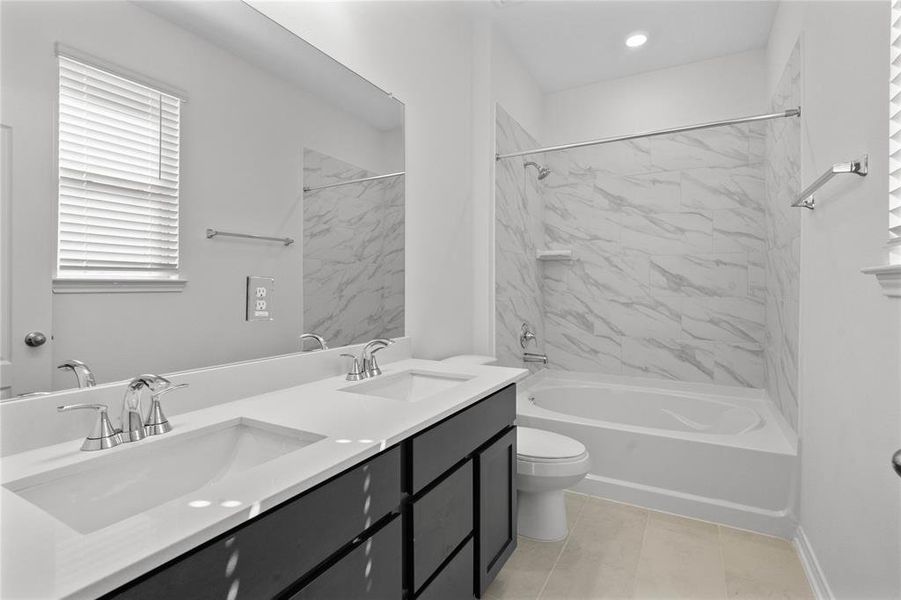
(270, 553)
(446, 443)
(442, 519)
(478, 447)
(454, 581)
(372, 571)
(433, 518)
(496, 521)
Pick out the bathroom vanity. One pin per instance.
(432, 517)
(400, 486)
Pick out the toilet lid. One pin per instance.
(538, 443)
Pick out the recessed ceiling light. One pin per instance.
(636, 39)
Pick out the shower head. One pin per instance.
(542, 171)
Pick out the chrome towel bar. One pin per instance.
(351, 181)
(857, 167)
(211, 233)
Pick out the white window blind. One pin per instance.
(118, 176)
(895, 137)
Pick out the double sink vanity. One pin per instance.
(398, 486)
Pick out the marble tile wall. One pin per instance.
(686, 255)
(353, 253)
(782, 261)
(668, 235)
(519, 233)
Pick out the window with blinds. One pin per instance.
(118, 176)
(895, 137)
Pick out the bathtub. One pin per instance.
(718, 453)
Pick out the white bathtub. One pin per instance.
(712, 452)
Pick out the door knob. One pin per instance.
(35, 339)
(896, 462)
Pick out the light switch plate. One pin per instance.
(258, 301)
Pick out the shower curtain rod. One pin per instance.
(792, 112)
(373, 178)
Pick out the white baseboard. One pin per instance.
(815, 574)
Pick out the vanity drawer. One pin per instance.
(439, 448)
(371, 571)
(268, 554)
(442, 519)
(455, 581)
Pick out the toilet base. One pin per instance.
(541, 515)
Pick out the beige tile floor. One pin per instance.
(620, 551)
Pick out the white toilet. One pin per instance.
(546, 464)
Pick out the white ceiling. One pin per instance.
(242, 30)
(566, 44)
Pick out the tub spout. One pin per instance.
(531, 357)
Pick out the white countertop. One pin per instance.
(44, 558)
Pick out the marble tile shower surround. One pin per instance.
(353, 253)
(519, 232)
(668, 235)
(781, 260)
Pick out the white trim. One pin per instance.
(889, 277)
(812, 569)
(115, 69)
(99, 285)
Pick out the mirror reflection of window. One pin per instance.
(118, 175)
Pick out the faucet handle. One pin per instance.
(102, 435)
(356, 372)
(373, 366)
(157, 422)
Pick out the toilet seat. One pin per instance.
(538, 445)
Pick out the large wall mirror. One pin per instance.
(187, 184)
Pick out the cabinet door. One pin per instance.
(496, 491)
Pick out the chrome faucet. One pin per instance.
(133, 427)
(83, 374)
(531, 357)
(370, 365)
(312, 336)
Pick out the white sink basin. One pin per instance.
(132, 479)
(408, 386)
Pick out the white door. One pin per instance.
(6, 372)
(27, 230)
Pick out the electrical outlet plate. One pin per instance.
(258, 301)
